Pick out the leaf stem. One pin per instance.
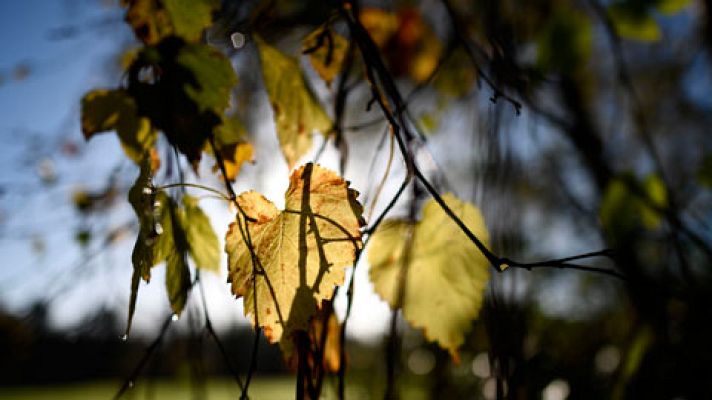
(196, 186)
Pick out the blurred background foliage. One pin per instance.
(574, 124)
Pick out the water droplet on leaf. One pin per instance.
(238, 40)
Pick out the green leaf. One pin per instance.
(189, 94)
(203, 244)
(164, 244)
(618, 210)
(141, 199)
(172, 247)
(191, 17)
(160, 238)
(177, 270)
(154, 20)
(106, 110)
(213, 76)
(657, 195)
(445, 276)
(230, 131)
(297, 113)
(623, 211)
(670, 7)
(634, 23)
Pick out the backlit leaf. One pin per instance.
(622, 210)
(631, 23)
(409, 43)
(212, 73)
(190, 17)
(177, 271)
(171, 245)
(670, 7)
(326, 50)
(446, 274)
(234, 155)
(657, 195)
(154, 20)
(300, 254)
(105, 110)
(231, 142)
(618, 210)
(297, 113)
(168, 233)
(142, 199)
(187, 94)
(202, 242)
(149, 20)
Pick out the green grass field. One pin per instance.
(215, 389)
(277, 388)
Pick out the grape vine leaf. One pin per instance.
(446, 274)
(327, 51)
(297, 256)
(154, 20)
(106, 110)
(297, 113)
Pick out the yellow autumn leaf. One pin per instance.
(234, 155)
(231, 142)
(297, 113)
(446, 274)
(300, 254)
(326, 50)
(105, 110)
(380, 24)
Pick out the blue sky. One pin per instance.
(39, 114)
